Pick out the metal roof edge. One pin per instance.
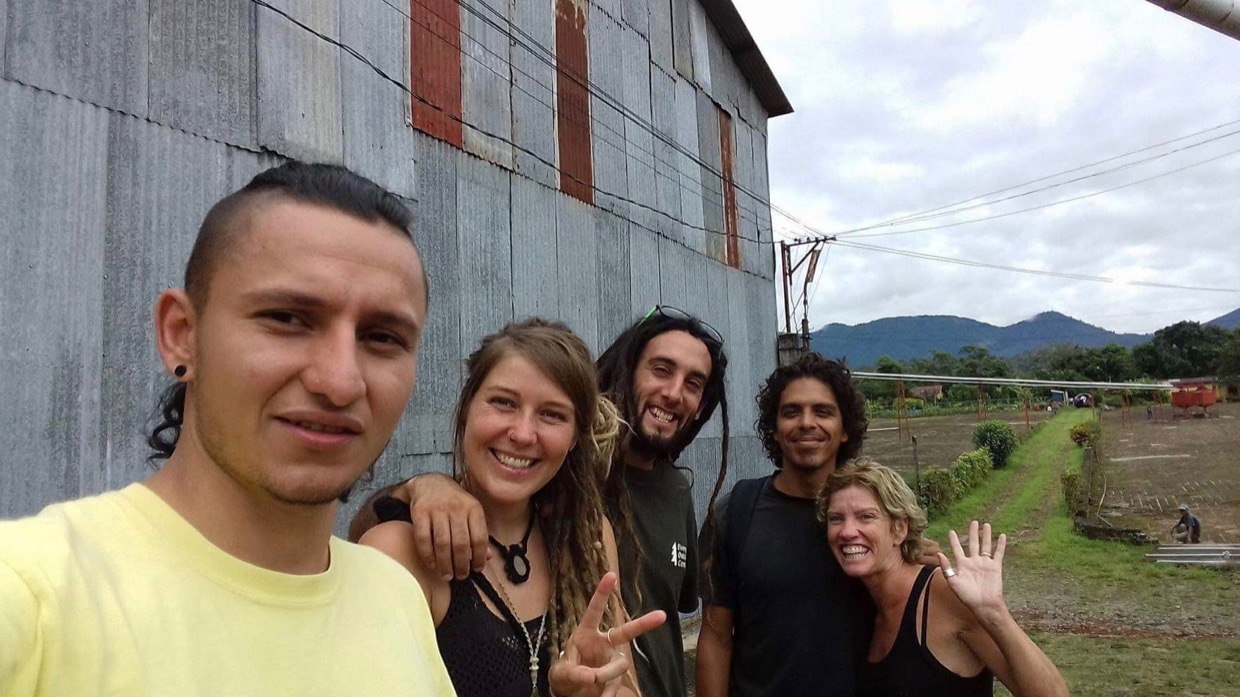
(740, 43)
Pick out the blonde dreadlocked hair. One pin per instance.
(570, 506)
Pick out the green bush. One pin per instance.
(998, 438)
(972, 468)
(1085, 434)
(940, 489)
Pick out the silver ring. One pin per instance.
(609, 641)
(987, 555)
(949, 572)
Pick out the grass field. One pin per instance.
(940, 439)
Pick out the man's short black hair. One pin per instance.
(331, 186)
(831, 373)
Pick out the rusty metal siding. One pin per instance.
(484, 231)
(486, 82)
(690, 173)
(762, 328)
(606, 72)
(534, 92)
(577, 258)
(666, 158)
(160, 184)
(727, 171)
(742, 383)
(708, 175)
(435, 68)
(435, 230)
(742, 170)
(573, 100)
(202, 73)
(92, 51)
(377, 141)
(52, 189)
(682, 38)
(638, 143)
(615, 310)
(299, 111)
(534, 249)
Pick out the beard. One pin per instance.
(659, 447)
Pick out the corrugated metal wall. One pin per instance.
(125, 121)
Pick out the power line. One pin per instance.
(915, 216)
(1052, 203)
(1034, 272)
(1048, 188)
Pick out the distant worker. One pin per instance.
(1187, 528)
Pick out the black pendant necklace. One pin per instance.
(516, 561)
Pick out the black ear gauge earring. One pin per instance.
(180, 371)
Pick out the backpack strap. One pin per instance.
(742, 503)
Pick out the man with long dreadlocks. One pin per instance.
(665, 373)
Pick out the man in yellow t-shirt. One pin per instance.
(293, 346)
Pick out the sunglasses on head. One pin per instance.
(677, 313)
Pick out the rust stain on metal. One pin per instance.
(435, 53)
(573, 100)
(727, 155)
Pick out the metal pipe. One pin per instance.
(1222, 16)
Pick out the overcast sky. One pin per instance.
(904, 106)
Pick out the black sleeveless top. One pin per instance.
(487, 656)
(909, 669)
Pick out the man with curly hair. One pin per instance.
(780, 617)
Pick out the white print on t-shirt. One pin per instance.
(679, 552)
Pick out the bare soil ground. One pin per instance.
(940, 439)
(1155, 465)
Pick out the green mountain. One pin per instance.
(904, 338)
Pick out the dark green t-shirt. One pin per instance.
(666, 529)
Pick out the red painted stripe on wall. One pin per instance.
(435, 54)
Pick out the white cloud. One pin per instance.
(905, 106)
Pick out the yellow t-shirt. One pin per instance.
(118, 595)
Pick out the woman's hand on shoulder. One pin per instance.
(976, 577)
(595, 660)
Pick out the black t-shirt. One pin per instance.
(666, 529)
(800, 624)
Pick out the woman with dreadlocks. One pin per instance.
(533, 440)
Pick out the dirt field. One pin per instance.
(1153, 466)
(940, 439)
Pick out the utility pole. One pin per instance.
(792, 344)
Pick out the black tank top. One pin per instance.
(487, 656)
(909, 669)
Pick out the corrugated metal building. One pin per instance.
(578, 159)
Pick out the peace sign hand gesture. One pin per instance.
(977, 577)
(595, 660)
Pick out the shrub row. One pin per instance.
(1071, 481)
(943, 486)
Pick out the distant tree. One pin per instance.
(937, 363)
(1184, 349)
(1113, 363)
(1229, 356)
(882, 390)
(979, 362)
